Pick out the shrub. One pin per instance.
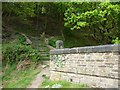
(21, 39)
(116, 40)
(52, 41)
(13, 53)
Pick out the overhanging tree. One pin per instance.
(99, 19)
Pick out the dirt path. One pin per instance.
(39, 79)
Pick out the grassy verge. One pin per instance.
(0, 73)
(61, 84)
(18, 79)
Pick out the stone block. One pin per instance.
(74, 50)
(96, 66)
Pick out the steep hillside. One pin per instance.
(10, 35)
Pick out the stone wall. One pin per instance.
(96, 66)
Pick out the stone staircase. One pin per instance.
(39, 44)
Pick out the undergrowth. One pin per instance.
(68, 43)
(61, 84)
(14, 53)
(19, 62)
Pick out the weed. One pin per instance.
(61, 84)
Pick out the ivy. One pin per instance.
(58, 61)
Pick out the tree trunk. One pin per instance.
(61, 24)
(45, 23)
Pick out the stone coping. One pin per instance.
(88, 49)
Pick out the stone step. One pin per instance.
(44, 52)
(40, 45)
(45, 55)
(45, 58)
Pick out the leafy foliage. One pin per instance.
(116, 40)
(100, 20)
(52, 40)
(61, 84)
(22, 9)
(97, 20)
(13, 53)
(20, 39)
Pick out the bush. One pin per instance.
(13, 53)
(116, 41)
(21, 39)
(68, 43)
(52, 42)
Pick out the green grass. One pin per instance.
(0, 47)
(18, 79)
(64, 84)
(1, 73)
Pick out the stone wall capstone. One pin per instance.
(96, 66)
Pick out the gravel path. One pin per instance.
(39, 79)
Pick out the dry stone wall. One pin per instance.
(96, 66)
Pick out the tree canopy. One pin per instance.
(99, 20)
